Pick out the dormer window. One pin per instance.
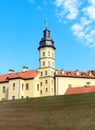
(69, 73)
(69, 85)
(88, 83)
(83, 74)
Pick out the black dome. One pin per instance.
(46, 41)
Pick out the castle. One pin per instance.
(45, 81)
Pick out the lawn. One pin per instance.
(69, 112)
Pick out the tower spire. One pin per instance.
(46, 23)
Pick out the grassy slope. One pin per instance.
(71, 112)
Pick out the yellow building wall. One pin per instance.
(47, 57)
(63, 83)
(14, 92)
(4, 96)
(47, 89)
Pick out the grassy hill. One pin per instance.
(70, 112)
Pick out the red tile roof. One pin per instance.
(66, 73)
(77, 90)
(23, 75)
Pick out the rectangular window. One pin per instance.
(45, 72)
(46, 89)
(48, 53)
(40, 91)
(41, 73)
(13, 97)
(38, 87)
(13, 86)
(22, 86)
(69, 85)
(43, 53)
(40, 83)
(48, 63)
(22, 97)
(27, 86)
(43, 63)
(46, 81)
(4, 89)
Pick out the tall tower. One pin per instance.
(46, 64)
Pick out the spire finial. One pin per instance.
(46, 24)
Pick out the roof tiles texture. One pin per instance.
(23, 75)
(78, 90)
(64, 73)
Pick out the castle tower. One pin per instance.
(46, 64)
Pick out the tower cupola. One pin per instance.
(46, 41)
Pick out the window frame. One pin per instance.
(27, 86)
(4, 89)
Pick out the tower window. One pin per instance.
(41, 73)
(48, 63)
(40, 83)
(43, 63)
(43, 53)
(48, 53)
(45, 72)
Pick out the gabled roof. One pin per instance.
(78, 90)
(76, 74)
(23, 75)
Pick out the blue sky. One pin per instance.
(72, 26)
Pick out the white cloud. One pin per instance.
(69, 8)
(84, 21)
(90, 12)
(92, 2)
(59, 3)
(83, 16)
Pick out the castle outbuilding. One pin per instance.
(46, 80)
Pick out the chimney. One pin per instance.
(62, 71)
(90, 73)
(25, 68)
(11, 71)
(77, 72)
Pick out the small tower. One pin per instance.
(46, 64)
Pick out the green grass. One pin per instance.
(69, 112)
